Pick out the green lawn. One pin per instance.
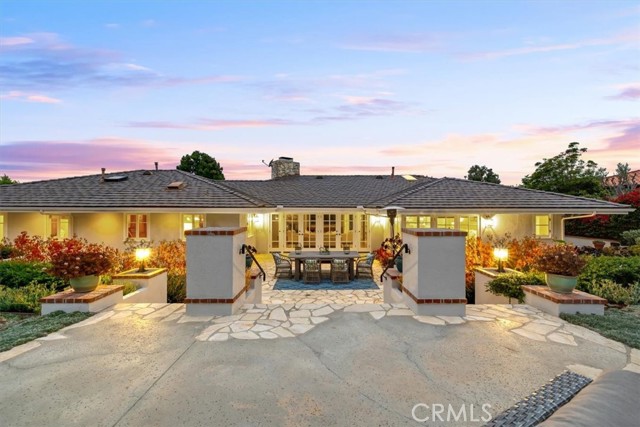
(16, 329)
(622, 325)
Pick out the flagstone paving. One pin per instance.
(287, 314)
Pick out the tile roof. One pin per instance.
(452, 194)
(143, 191)
(326, 191)
(139, 190)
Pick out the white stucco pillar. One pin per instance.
(433, 279)
(215, 271)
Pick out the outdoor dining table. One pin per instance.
(298, 259)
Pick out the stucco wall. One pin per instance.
(32, 222)
(107, 228)
(226, 220)
(166, 226)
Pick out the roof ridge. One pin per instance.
(389, 198)
(215, 183)
(67, 178)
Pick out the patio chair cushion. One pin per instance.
(611, 400)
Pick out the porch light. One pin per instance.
(142, 254)
(257, 220)
(501, 254)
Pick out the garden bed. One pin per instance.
(622, 325)
(19, 328)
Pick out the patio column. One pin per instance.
(216, 282)
(433, 278)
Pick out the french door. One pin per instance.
(315, 230)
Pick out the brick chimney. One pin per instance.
(284, 166)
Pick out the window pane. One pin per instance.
(445, 222)
(142, 227)
(364, 231)
(329, 230)
(1, 226)
(63, 231)
(275, 230)
(309, 239)
(542, 226)
(411, 222)
(424, 222)
(346, 230)
(291, 238)
(54, 225)
(198, 221)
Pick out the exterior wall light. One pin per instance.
(257, 220)
(142, 254)
(501, 254)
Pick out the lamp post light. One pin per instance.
(501, 254)
(141, 256)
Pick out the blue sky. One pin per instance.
(344, 87)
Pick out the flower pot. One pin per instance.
(248, 261)
(598, 244)
(561, 284)
(399, 264)
(85, 283)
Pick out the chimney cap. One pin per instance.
(285, 158)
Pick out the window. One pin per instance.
(1, 226)
(192, 221)
(275, 230)
(417, 221)
(59, 226)
(364, 231)
(446, 222)
(469, 224)
(137, 226)
(543, 226)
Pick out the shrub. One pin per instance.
(129, 287)
(631, 237)
(524, 252)
(170, 254)
(560, 259)
(176, 288)
(510, 284)
(19, 273)
(77, 257)
(615, 293)
(24, 299)
(634, 250)
(622, 270)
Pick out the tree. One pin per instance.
(568, 173)
(621, 183)
(201, 164)
(483, 174)
(5, 180)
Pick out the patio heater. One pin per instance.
(392, 212)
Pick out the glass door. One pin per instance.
(292, 231)
(347, 230)
(309, 238)
(329, 231)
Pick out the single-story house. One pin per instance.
(287, 210)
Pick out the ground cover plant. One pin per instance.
(510, 284)
(614, 278)
(19, 329)
(621, 325)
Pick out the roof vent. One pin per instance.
(116, 178)
(319, 177)
(378, 176)
(147, 173)
(176, 185)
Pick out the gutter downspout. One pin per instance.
(562, 220)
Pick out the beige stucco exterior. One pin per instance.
(110, 227)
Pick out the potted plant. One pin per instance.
(599, 244)
(387, 249)
(561, 264)
(82, 263)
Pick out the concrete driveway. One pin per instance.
(146, 370)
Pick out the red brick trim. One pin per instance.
(218, 300)
(134, 274)
(433, 233)
(432, 300)
(577, 297)
(72, 297)
(216, 231)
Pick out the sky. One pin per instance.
(343, 87)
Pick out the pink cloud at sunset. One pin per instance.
(33, 160)
(211, 124)
(21, 96)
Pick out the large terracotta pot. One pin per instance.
(85, 283)
(561, 284)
